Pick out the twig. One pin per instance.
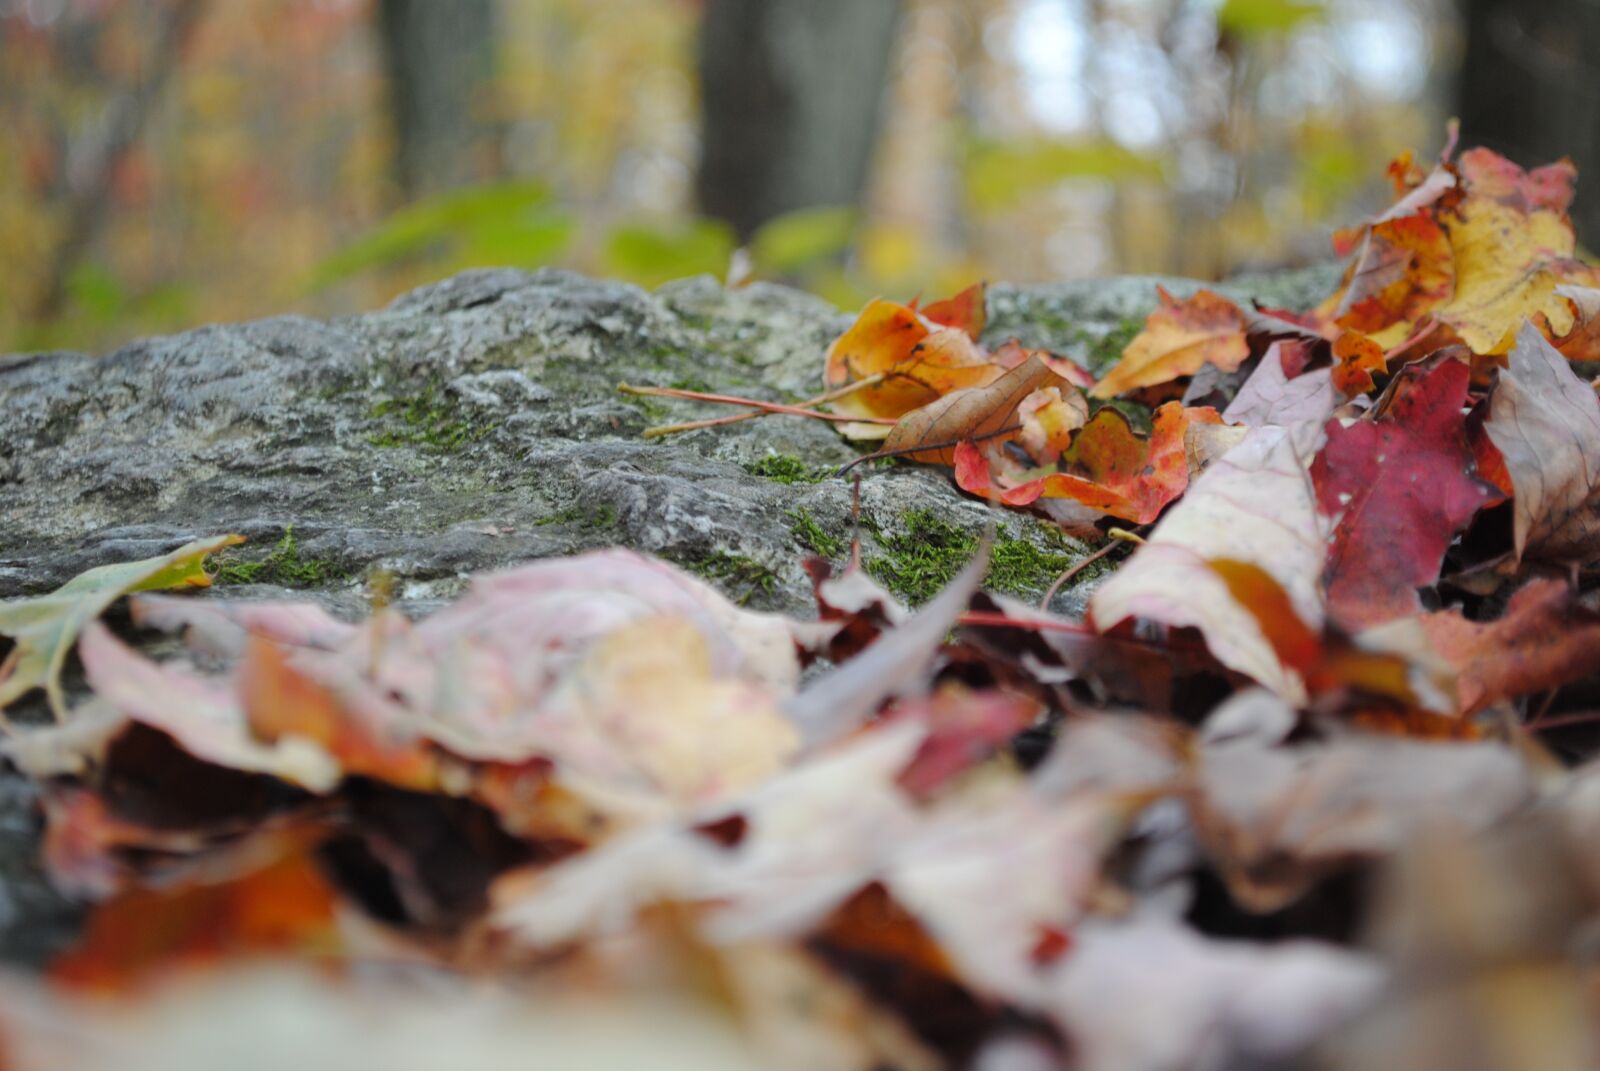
(729, 399)
(1074, 569)
(855, 524)
(1561, 721)
(715, 422)
(988, 619)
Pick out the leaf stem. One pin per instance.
(729, 399)
(1075, 568)
(661, 430)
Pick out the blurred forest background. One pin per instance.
(169, 162)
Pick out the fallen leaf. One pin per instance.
(45, 627)
(1489, 174)
(1582, 343)
(1397, 489)
(202, 713)
(1148, 994)
(279, 903)
(282, 702)
(1271, 396)
(921, 359)
(1546, 423)
(1356, 357)
(1108, 468)
(1049, 422)
(931, 433)
(1544, 639)
(1508, 265)
(895, 664)
(1276, 818)
(1404, 268)
(965, 310)
(1179, 337)
(1255, 504)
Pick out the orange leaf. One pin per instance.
(281, 905)
(1356, 358)
(922, 361)
(965, 310)
(1545, 639)
(1404, 268)
(279, 700)
(1178, 339)
(1114, 471)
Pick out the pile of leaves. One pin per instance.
(1311, 785)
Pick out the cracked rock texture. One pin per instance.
(472, 425)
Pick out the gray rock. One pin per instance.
(475, 424)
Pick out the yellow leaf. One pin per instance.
(46, 627)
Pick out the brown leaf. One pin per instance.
(1546, 422)
(931, 433)
(1545, 639)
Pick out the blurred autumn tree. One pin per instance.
(790, 97)
(440, 63)
(322, 155)
(1530, 88)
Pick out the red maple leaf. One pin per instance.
(1402, 486)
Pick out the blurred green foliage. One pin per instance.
(262, 181)
(511, 223)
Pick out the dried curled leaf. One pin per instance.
(931, 433)
(1546, 423)
(1107, 468)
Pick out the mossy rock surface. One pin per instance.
(474, 425)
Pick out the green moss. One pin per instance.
(427, 420)
(1139, 416)
(694, 383)
(566, 516)
(926, 555)
(786, 468)
(741, 578)
(652, 409)
(1018, 567)
(1107, 350)
(281, 565)
(603, 517)
(811, 535)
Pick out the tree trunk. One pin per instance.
(1530, 89)
(439, 56)
(791, 94)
